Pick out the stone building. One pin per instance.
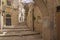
(10, 13)
(21, 12)
(46, 15)
(45, 18)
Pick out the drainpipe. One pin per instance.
(33, 18)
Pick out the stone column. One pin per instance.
(51, 6)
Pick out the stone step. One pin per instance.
(15, 30)
(15, 27)
(18, 27)
(23, 33)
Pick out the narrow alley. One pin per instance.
(29, 20)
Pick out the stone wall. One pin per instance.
(30, 17)
(11, 11)
(44, 18)
(48, 11)
(37, 19)
(14, 16)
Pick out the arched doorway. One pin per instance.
(8, 20)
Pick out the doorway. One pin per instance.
(58, 22)
(8, 20)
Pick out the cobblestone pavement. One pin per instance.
(20, 34)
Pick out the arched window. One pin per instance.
(8, 15)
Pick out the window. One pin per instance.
(8, 15)
(58, 9)
(9, 2)
(8, 20)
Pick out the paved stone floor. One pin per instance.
(20, 34)
(32, 37)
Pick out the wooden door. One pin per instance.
(58, 25)
(58, 22)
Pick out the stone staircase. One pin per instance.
(17, 28)
(18, 31)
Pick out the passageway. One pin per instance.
(17, 21)
(29, 19)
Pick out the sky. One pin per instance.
(27, 1)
